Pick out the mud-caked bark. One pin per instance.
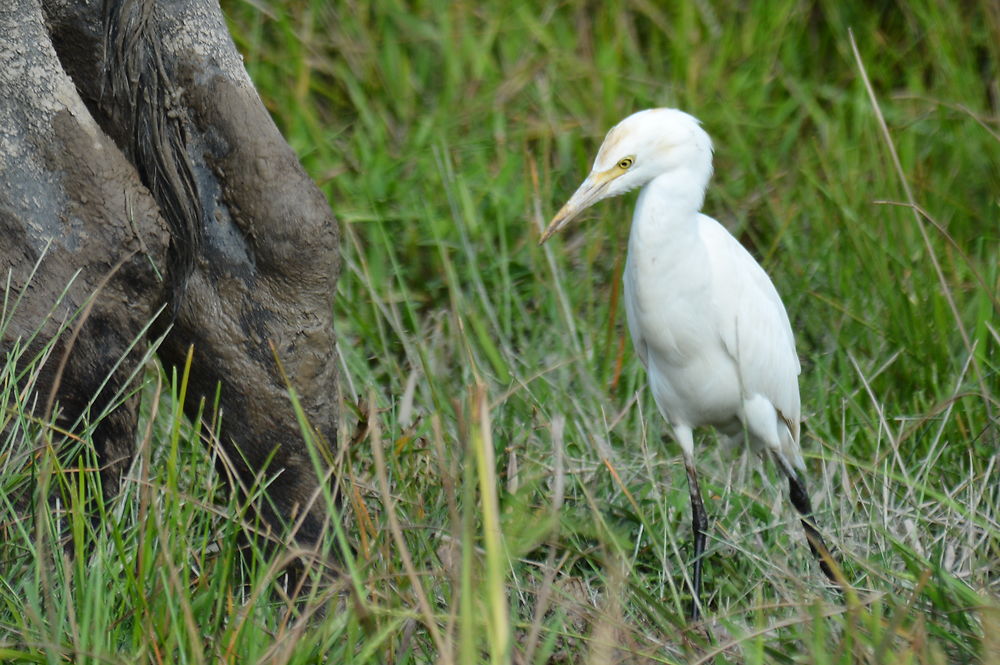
(248, 274)
(76, 227)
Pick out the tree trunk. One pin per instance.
(216, 221)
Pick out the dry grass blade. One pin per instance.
(443, 649)
(544, 593)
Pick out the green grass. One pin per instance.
(513, 500)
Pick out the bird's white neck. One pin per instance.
(667, 210)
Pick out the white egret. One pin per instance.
(705, 319)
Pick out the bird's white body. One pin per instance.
(708, 325)
(705, 319)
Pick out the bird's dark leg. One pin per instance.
(800, 499)
(699, 524)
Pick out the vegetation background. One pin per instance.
(510, 496)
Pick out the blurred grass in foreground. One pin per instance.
(511, 499)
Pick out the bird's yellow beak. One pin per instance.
(586, 195)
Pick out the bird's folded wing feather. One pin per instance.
(754, 326)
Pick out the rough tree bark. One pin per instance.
(130, 132)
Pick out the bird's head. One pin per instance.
(643, 146)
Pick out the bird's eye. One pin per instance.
(625, 163)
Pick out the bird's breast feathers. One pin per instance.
(666, 300)
(708, 318)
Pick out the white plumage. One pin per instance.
(705, 319)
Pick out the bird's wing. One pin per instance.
(631, 316)
(754, 325)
